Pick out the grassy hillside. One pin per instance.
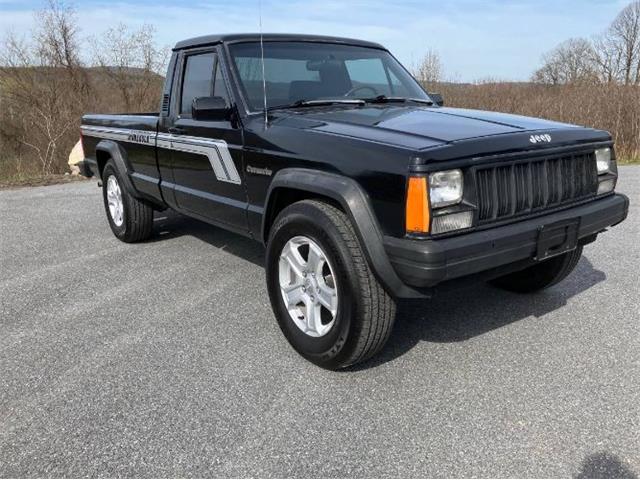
(615, 108)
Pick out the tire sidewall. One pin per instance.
(303, 219)
(118, 231)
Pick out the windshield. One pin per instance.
(306, 71)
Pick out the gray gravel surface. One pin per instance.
(164, 359)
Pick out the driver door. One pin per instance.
(207, 155)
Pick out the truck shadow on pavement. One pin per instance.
(454, 316)
(460, 315)
(604, 465)
(169, 224)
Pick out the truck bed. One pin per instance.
(136, 133)
(138, 121)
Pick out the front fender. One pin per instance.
(355, 203)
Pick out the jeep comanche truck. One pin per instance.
(363, 187)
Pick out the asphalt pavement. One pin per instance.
(164, 359)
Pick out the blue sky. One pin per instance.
(476, 39)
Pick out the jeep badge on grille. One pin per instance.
(546, 138)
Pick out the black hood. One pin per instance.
(416, 127)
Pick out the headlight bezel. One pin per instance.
(446, 188)
(606, 170)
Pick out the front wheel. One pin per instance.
(542, 275)
(328, 303)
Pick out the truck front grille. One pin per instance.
(525, 186)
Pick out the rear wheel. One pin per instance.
(542, 275)
(130, 219)
(328, 303)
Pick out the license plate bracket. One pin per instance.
(557, 238)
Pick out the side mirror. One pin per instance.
(437, 99)
(210, 108)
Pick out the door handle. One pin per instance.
(177, 130)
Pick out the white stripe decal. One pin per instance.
(215, 150)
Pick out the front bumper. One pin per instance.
(426, 263)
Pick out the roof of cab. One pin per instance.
(269, 37)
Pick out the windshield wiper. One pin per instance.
(385, 99)
(319, 103)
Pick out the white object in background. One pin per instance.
(75, 157)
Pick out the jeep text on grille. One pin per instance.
(363, 187)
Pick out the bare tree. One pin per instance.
(570, 62)
(132, 62)
(607, 57)
(45, 86)
(429, 69)
(57, 36)
(42, 85)
(625, 37)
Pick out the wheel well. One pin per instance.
(102, 158)
(282, 197)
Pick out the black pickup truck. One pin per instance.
(364, 188)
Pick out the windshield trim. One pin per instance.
(240, 87)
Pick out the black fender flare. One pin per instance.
(119, 157)
(355, 203)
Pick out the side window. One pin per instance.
(219, 87)
(197, 80)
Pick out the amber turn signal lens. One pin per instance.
(417, 211)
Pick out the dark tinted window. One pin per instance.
(219, 87)
(198, 79)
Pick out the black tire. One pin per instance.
(542, 275)
(365, 312)
(137, 217)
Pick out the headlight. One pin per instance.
(603, 160)
(445, 188)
